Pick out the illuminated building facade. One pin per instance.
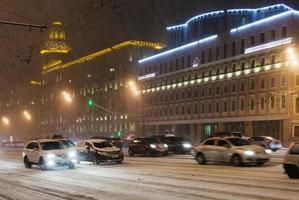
(99, 98)
(228, 70)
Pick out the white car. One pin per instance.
(99, 150)
(291, 161)
(48, 153)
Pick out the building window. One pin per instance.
(224, 50)
(243, 65)
(189, 110)
(233, 87)
(165, 67)
(183, 62)
(252, 40)
(225, 89)
(233, 106)
(183, 110)
(233, 48)
(283, 81)
(263, 83)
(263, 61)
(210, 108)
(202, 108)
(242, 86)
(170, 67)
(202, 57)
(176, 64)
(217, 90)
(242, 105)
(273, 59)
(252, 85)
(283, 101)
(189, 60)
(210, 91)
(262, 37)
(297, 105)
(217, 107)
(272, 82)
(217, 53)
(262, 103)
(251, 104)
(210, 55)
(252, 64)
(225, 106)
(273, 35)
(284, 32)
(242, 45)
(195, 109)
(272, 103)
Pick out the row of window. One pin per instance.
(224, 106)
(224, 89)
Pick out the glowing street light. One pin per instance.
(292, 56)
(27, 115)
(5, 121)
(67, 97)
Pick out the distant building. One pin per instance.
(102, 103)
(226, 70)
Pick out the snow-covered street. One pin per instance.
(171, 177)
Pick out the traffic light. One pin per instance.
(119, 133)
(90, 102)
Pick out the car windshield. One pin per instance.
(52, 145)
(102, 144)
(152, 141)
(238, 141)
(67, 143)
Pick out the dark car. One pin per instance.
(147, 146)
(115, 141)
(266, 142)
(175, 144)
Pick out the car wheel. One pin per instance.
(237, 161)
(71, 166)
(27, 164)
(42, 164)
(200, 158)
(131, 153)
(95, 159)
(292, 171)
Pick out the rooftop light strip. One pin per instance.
(257, 9)
(262, 21)
(269, 45)
(192, 44)
(196, 17)
(146, 76)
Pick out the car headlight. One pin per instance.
(50, 156)
(153, 146)
(249, 153)
(165, 145)
(187, 145)
(268, 151)
(72, 154)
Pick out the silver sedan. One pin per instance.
(233, 150)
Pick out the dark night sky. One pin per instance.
(90, 27)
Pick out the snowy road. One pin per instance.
(164, 178)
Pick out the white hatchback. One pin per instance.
(48, 153)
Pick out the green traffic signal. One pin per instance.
(119, 133)
(90, 102)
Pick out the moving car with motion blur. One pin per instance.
(99, 150)
(147, 146)
(48, 153)
(115, 141)
(266, 142)
(178, 145)
(235, 150)
(291, 161)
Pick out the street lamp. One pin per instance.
(27, 115)
(292, 56)
(5, 121)
(67, 97)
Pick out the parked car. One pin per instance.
(291, 161)
(224, 134)
(48, 153)
(178, 145)
(113, 140)
(99, 150)
(147, 146)
(235, 150)
(266, 142)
